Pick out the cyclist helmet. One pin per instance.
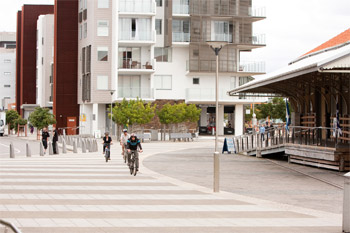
(132, 135)
(125, 130)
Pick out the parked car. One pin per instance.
(2, 128)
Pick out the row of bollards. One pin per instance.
(86, 145)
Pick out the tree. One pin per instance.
(192, 113)
(132, 112)
(41, 118)
(20, 121)
(11, 117)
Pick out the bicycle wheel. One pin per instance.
(135, 166)
(131, 164)
(107, 156)
(124, 156)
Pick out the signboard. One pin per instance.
(229, 146)
(247, 111)
(82, 117)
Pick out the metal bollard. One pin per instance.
(346, 204)
(216, 172)
(95, 146)
(41, 149)
(83, 146)
(12, 151)
(64, 147)
(50, 148)
(75, 146)
(57, 149)
(28, 151)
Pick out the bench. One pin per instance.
(181, 136)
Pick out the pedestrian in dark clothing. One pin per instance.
(45, 135)
(54, 140)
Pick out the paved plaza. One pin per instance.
(82, 193)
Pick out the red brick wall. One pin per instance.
(30, 14)
(66, 61)
(18, 61)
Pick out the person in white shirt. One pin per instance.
(124, 140)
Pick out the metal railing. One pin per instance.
(10, 226)
(181, 37)
(136, 6)
(255, 39)
(210, 66)
(181, 9)
(252, 66)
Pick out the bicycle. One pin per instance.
(133, 162)
(107, 152)
(125, 154)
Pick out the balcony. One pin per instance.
(257, 12)
(135, 92)
(252, 67)
(254, 40)
(181, 9)
(143, 7)
(181, 37)
(205, 66)
(222, 37)
(135, 67)
(137, 38)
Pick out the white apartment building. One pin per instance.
(158, 51)
(44, 63)
(7, 69)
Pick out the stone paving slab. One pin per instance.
(35, 202)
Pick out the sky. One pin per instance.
(291, 27)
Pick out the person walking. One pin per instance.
(262, 132)
(54, 140)
(44, 136)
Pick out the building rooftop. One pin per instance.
(337, 40)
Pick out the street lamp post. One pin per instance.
(110, 126)
(216, 46)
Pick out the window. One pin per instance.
(135, 29)
(7, 73)
(163, 54)
(102, 28)
(163, 82)
(7, 86)
(195, 81)
(103, 4)
(7, 60)
(159, 3)
(83, 60)
(244, 80)
(80, 31)
(102, 53)
(88, 59)
(159, 26)
(181, 30)
(85, 30)
(102, 82)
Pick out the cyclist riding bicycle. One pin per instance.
(107, 140)
(124, 140)
(132, 145)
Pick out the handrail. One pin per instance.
(10, 225)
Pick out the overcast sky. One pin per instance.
(292, 27)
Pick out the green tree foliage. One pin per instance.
(133, 112)
(41, 118)
(20, 121)
(275, 109)
(11, 117)
(178, 113)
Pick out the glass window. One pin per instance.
(103, 4)
(7, 60)
(102, 82)
(163, 54)
(159, 3)
(102, 53)
(102, 28)
(85, 30)
(80, 31)
(163, 82)
(196, 81)
(159, 26)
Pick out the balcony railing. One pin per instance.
(136, 6)
(181, 37)
(257, 12)
(252, 67)
(210, 66)
(222, 37)
(135, 92)
(132, 64)
(255, 40)
(181, 9)
(137, 36)
(207, 94)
